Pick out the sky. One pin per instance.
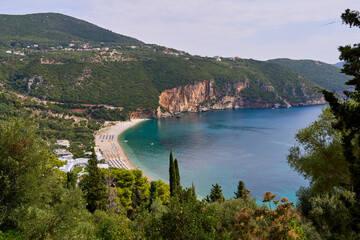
(258, 29)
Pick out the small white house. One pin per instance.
(65, 143)
(217, 58)
(103, 166)
(63, 153)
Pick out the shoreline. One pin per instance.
(110, 146)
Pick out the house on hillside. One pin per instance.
(217, 58)
(63, 154)
(65, 143)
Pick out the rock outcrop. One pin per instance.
(202, 96)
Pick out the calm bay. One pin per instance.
(223, 147)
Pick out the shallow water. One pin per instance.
(223, 147)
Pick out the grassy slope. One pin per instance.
(325, 75)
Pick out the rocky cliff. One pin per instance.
(203, 96)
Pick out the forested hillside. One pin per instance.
(67, 60)
(53, 29)
(323, 74)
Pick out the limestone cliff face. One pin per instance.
(187, 98)
(202, 96)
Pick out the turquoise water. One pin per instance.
(223, 147)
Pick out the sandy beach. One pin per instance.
(106, 141)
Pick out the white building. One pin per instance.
(62, 152)
(71, 164)
(65, 143)
(103, 166)
(217, 58)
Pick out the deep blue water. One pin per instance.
(223, 147)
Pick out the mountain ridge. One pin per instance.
(136, 79)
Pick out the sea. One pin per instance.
(223, 147)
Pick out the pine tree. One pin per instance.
(172, 175)
(215, 194)
(241, 192)
(348, 112)
(93, 186)
(177, 176)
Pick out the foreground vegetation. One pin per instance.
(40, 202)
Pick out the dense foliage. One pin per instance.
(34, 201)
(330, 156)
(323, 74)
(38, 202)
(53, 121)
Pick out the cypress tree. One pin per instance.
(177, 175)
(193, 190)
(172, 175)
(153, 192)
(71, 180)
(94, 187)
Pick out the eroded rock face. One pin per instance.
(187, 98)
(202, 96)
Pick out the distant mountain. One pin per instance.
(323, 74)
(54, 28)
(339, 64)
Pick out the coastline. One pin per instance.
(113, 130)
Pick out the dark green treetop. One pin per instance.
(94, 187)
(177, 175)
(347, 112)
(172, 174)
(241, 192)
(215, 194)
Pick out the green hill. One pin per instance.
(51, 29)
(323, 74)
(107, 71)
